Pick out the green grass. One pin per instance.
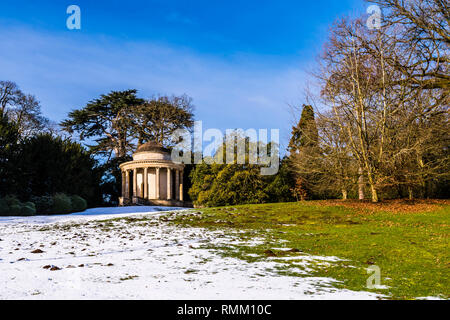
(411, 249)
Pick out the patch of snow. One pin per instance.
(307, 257)
(143, 259)
(381, 287)
(430, 298)
(93, 214)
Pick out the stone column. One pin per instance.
(123, 184)
(145, 183)
(157, 183)
(181, 185)
(169, 184)
(177, 184)
(134, 185)
(127, 184)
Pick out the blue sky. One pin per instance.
(242, 62)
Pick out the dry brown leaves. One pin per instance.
(394, 206)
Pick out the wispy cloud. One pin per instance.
(66, 70)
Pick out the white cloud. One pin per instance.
(68, 69)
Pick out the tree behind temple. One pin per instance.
(158, 118)
(107, 120)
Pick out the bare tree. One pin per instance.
(8, 95)
(354, 85)
(23, 109)
(394, 124)
(327, 167)
(423, 40)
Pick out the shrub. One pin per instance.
(10, 206)
(4, 208)
(61, 204)
(27, 211)
(15, 210)
(30, 204)
(78, 203)
(51, 164)
(11, 200)
(44, 204)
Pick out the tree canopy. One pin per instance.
(422, 33)
(383, 95)
(305, 133)
(158, 118)
(107, 120)
(118, 120)
(46, 165)
(9, 136)
(219, 184)
(23, 109)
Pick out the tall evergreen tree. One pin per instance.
(49, 165)
(302, 145)
(305, 133)
(9, 136)
(107, 120)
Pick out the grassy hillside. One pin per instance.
(409, 242)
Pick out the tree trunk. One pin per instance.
(410, 193)
(361, 184)
(122, 150)
(373, 190)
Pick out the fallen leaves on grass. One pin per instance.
(393, 206)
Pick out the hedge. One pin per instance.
(43, 204)
(4, 208)
(78, 203)
(15, 210)
(59, 203)
(28, 211)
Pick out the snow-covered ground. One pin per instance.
(93, 255)
(90, 214)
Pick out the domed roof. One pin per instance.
(152, 146)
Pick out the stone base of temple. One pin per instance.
(153, 202)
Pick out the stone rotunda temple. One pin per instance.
(152, 178)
